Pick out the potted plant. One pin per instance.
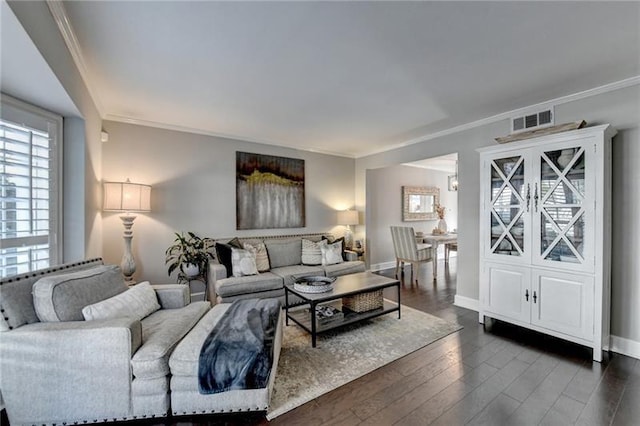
(190, 254)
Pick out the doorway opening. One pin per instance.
(385, 208)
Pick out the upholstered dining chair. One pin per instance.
(408, 250)
(449, 247)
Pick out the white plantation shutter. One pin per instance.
(30, 217)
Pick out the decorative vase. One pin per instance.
(348, 238)
(442, 226)
(566, 155)
(190, 269)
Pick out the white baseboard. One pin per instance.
(390, 265)
(624, 346)
(466, 302)
(381, 266)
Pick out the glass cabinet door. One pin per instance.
(561, 206)
(508, 207)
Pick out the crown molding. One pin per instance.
(59, 13)
(197, 131)
(632, 81)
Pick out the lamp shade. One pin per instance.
(126, 197)
(348, 217)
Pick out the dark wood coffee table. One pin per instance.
(347, 285)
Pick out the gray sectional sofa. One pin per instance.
(78, 346)
(286, 259)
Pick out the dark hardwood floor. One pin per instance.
(492, 375)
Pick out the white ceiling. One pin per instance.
(349, 78)
(445, 163)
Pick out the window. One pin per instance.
(30, 178)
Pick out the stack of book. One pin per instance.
(327, 314)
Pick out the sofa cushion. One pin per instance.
(262, 258)
(290, 273)
(332, 253)
(62, 297)
(311, 253)
(137, 302)
(249, 284)
(161, 332)
(344, 268)
(184, 360)
(284, 252)
(269, 294)
(16, 293)
(243, 262)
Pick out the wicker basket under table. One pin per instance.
(363, 302)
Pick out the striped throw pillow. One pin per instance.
(260, 252)
(311, 252)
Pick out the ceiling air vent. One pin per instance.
(531, 121)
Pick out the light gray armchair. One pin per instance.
(66, 369)
(408, 250)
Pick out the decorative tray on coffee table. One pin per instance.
(319, 284)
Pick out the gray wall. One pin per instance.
(384, 207)
(193, 189)
(620, 108)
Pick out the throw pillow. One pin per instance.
(333, 241)
(262, 258)
(223, 252)
(235, 242)
(61, 297)
(284, 253)
(243, 262)
(138, 302)
(311, 253)
(332, 253)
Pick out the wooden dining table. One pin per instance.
(435, 241)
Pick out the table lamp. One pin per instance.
(127, 197)
(347, 218)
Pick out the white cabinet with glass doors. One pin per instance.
(545, 235)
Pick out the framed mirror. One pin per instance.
(419, 203)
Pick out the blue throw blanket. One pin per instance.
(238, 353)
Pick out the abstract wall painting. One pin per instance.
(269, 192)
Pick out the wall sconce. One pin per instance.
(347, 218)
(127, 197)
(453, 183)
(453, 180)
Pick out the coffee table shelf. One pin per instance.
(302, 316)
(348, 285)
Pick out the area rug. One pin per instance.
(343, 355)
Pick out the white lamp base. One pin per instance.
(128, 263)
(348, 238)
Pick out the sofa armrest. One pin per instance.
(172, 296)
(68, 370)
(216, 272)
(350, 255)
